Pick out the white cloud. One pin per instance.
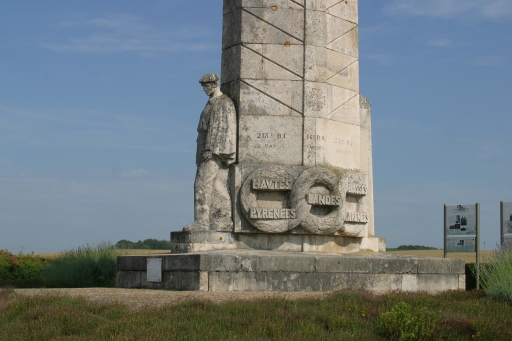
(490, 9)
(125, 33)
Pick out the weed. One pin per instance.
(86, 266)
(401, 324)
(496, 274)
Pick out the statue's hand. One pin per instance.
(207, 156)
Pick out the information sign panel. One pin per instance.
(461, 244)
(154, 270)
(506, 221)
(461, 220)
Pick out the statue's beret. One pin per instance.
(209, 78)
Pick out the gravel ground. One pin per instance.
(136, 299)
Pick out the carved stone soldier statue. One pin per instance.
(216, 151)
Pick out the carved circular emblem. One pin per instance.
(264, 199)
(318, 201)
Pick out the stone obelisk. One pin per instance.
(302, 180)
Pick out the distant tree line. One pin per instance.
(148, 244)
(412, 247)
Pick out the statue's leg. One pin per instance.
(203, 188)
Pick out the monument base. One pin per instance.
(187, 242)
(251, 270)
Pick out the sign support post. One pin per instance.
(478, 246)
(445, 232)
(502, 230)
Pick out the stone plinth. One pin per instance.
(242, 270)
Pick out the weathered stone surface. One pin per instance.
(286, 271)
(132, 263)
(128, 279)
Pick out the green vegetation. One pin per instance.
(86, 266)
(496, 274)
(342, 316)
(19, 268)
(401, 324)
(148, 244)
(411, 247)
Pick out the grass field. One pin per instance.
(341, 316)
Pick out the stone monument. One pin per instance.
(284, 186)
(302, 180)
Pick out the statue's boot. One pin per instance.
(195, 226)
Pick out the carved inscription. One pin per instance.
(272, 213)
(356, 217)
(357, 189)
(323, 200)
(269, 136)
(271, 184)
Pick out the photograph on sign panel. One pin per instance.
(461, 220)
(462, 244)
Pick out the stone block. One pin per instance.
(430, 282)
(287, 18)
(221, 261)
(346, 10)
(185, 281)
(181, 262)
(440, 266)
(272, 262)
(375, 282)
(327, 244)
(128, 279)
(347, 43)
(343, 264)
(267, 140)
(254, 241)
(337, 144)
(238, 281)
(131, 263)
(387, 265)
(290, 57)
(286, 242)
(261, 97)
(291, 281)
(325, 65)
(322, 281)
(348, 112)
(462, 282)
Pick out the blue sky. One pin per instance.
(99, 102)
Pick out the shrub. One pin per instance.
(496, 274)
(400, 324)
(86, 266)
(20, 267)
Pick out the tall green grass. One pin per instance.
(496, 274)
(84, 267)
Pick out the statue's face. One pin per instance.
(209, 88)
